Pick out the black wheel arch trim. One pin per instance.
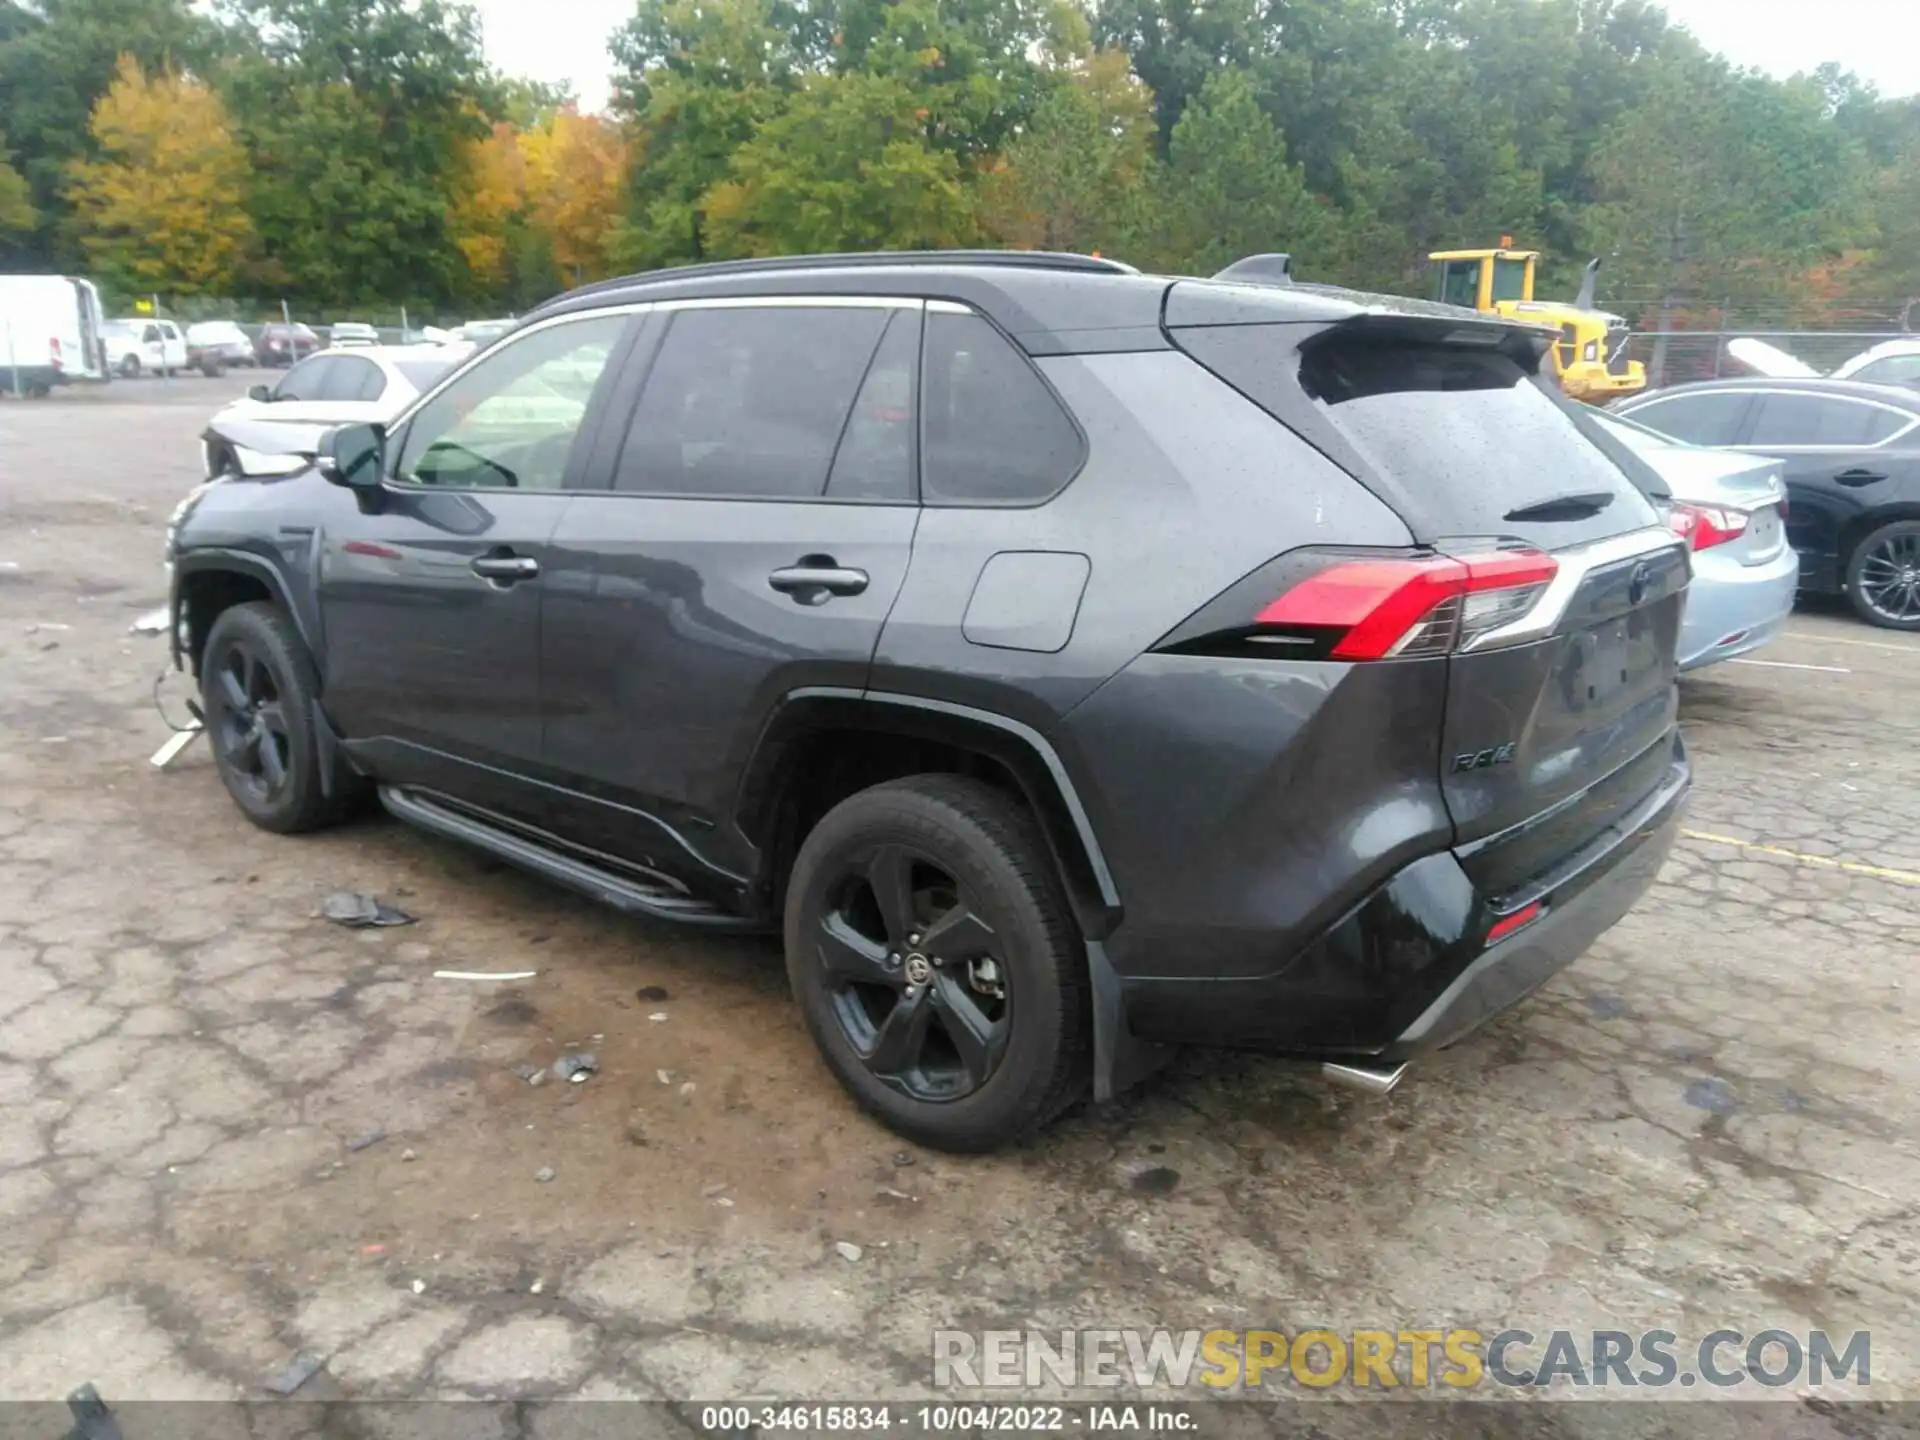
(257, 567)
(1120, 1059)
(1021, 741)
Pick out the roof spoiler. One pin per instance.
(1270, 269)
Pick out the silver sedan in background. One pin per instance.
(1731, 508)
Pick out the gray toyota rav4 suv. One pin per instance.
(1073, 662)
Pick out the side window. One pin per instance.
(1696, 419)
(875, 459)
(992, 433)
(510, 421)
(1819, 420)
(150, 335)
(307, 380)
(1460, 283)
(170, 331)
(1893, 370)
(749, 402)
(353, 378)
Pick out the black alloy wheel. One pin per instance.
(247, 719)
(914, 975)
(935, 960)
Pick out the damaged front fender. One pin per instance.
(253, 448)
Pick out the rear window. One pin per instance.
(423, 374)
(1467, 432)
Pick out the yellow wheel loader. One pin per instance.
(1589, 358)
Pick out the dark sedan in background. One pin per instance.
(280, 344)
(1852, 457)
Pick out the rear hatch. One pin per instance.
(1567, 587)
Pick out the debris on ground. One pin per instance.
(408, 1155)
(686, 1091)
(665, 1077)
(177, 742)
(536, 1287)
(576, 1066)
(92, 1419)
(903, 1157)
(38, 626)
(713, 1190)
(724, 1203)
(366, 1141)
(299, 1370)
(476, 974)
(655, 993)
(898, 1197)
(419, 1287)
(544, 1174)
(848, 1250)
(154, 622)
(359, 911)
(532, 1074)
(1156, 1180)
(657, 1016)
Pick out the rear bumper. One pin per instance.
(1410, 969)
(1734, 608)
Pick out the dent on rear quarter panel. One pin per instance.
(1187, 486)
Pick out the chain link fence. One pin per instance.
(1681, 340)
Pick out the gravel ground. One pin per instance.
(1710, 1121)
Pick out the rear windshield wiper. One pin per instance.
(1565, 507)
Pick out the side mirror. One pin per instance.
(353, 456)
(259, 392)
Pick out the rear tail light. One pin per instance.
(1393, 609)
(53, 346)
(1705, 526)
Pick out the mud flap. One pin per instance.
(1120, 1061)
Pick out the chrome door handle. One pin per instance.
(505, 569)
(812, 584)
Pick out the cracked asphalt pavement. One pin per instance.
(1710, 1121)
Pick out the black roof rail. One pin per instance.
(1009, 259)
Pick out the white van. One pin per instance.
(50, 332)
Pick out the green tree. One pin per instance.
(18, 218)
(845, 166)
(1228, 190)
(160, 209)
(1078, 177)
(57, 58)
(358, 115)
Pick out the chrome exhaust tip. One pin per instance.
(1369, 1079)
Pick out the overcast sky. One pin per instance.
(567, 39)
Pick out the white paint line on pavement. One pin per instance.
(1789, 665)
(1841, 640)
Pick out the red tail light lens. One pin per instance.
(1705, 526)
(1405, 608)
(53, 345)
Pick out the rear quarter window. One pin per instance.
(992, 431)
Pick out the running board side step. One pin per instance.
(632, 896)
(1370, 1079)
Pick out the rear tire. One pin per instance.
(257, 687)
(956, 1008)
(1883, 576)
(130, 367)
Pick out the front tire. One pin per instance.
(1883, 576)
(130, 366)
(936, 963)
(257, 687)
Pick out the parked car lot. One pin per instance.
(1710, 1119)
(1852, 464)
